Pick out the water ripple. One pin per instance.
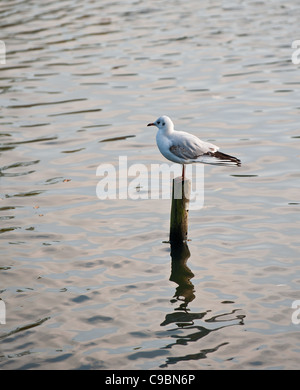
(89, 283)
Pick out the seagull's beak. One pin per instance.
(151, 124)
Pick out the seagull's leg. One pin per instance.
(183, 171)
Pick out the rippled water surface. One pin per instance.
(90, 283)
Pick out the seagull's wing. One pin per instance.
(189, 147)
(185, 153)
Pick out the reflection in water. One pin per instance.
(187, 330)
(181, 274)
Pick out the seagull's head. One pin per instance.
(163, 123)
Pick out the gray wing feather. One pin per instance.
(191, 147)
(182, 152)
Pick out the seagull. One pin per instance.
(185, 148)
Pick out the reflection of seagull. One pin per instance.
(184, 148)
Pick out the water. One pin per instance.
(90, 283)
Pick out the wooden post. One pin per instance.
(179, 210)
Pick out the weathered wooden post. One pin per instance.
(179, 210)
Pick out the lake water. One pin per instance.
(93, 284)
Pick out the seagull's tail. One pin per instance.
(226, 158)
(219, 158)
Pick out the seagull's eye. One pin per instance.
(158, 122)
(163, 123)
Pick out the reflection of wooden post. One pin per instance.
(179, 210)
(184, 294)
(181, 274)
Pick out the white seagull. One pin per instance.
(185, 148)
